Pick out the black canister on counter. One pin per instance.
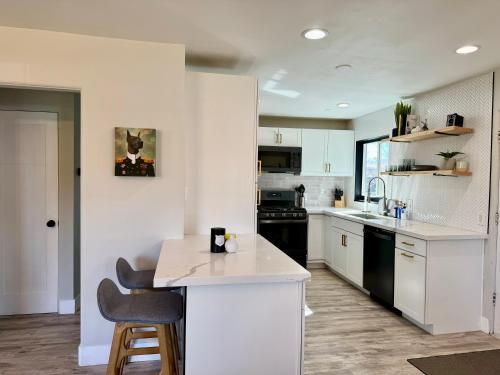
(216, 242)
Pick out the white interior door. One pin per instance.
(28, 200)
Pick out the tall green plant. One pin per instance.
(401, 109)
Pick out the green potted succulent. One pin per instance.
(448, 162)
(401, 111)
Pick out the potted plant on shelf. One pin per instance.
(401, 111)
(448, 162)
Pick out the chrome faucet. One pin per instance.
(386, 208)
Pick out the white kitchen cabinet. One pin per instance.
(290, 137)
(327, 152)
(268, 136)
(409, 284)
(340, 152)
(354, 268)
(286, 137)
(339, 251)
(315, 239)
(329, 241)
(314, 143)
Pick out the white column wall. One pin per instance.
(122, 83)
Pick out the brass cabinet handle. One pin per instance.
(342, 240)
(345, 240)
(259, 169)
(281, 138)
(259, 196)
(408, 243)
(329, 167)
(406, 255)
(277, 138)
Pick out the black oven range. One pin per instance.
(284, 224)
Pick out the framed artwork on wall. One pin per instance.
(135, 152)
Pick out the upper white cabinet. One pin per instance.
(268, 136)
(327, 152)
(340, 152)
(286, 137)
(314, 145)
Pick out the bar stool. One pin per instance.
(141, 282)
(158, 310)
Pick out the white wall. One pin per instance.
(122, 83)
(61, 103)
(220, 152)
(458, 202)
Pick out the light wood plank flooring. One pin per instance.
(347, 334)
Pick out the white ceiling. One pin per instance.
(397, 47)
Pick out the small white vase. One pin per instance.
(231, 244)
(448, 164)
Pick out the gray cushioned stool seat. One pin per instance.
(148, 308)
(131, 279)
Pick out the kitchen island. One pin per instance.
(244, 311)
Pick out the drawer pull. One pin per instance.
(408, 243)
(406, 255)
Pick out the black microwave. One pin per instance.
(276, 159)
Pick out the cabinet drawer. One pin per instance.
(347, 225)
(411, 244)
(409, 284)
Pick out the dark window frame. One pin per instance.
(358, 176)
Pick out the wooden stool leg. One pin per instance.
(175, 346)
(175, 339)
(114, 354)
(124, 345)
(166, 353)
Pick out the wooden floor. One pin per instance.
(347, 334)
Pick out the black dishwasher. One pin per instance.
(378, 264)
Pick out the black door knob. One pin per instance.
(51, 223)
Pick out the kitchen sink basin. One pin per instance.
(366, 216)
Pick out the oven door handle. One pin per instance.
(301, 221)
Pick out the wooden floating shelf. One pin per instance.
(435, 172)
(433, 133)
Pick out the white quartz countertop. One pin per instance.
(189, 262)
(411, 228)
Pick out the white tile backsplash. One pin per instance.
(453, 201)
(319, 190)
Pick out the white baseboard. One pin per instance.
(485, 325)
(94, 355)
(67, 306)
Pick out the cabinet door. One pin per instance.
(315, 242)
(354, 271)
(339, 251)
(409, 284)
(340, 152)
(314, 152)
(268, 136)
(328, 238)
(290, 137)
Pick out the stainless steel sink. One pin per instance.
(366, 216)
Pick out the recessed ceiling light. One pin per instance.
(343, 105)
(343, 67)
(314, 34)
(465, 50)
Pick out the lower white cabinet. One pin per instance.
(409, 284)
(344, 253)
(354, 269)
(315, 239)
(339, 251)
